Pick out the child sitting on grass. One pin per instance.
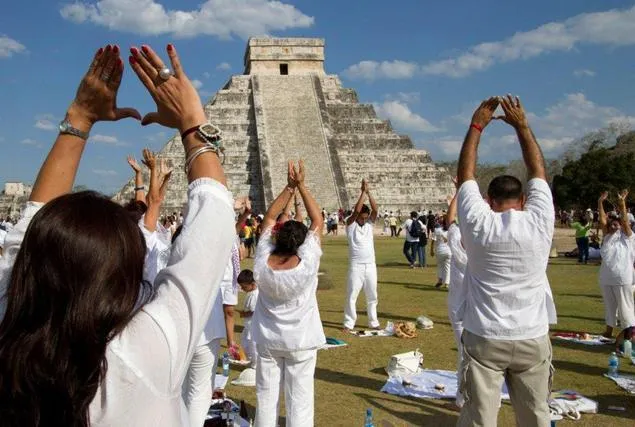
(248, 285)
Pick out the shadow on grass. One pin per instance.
(349, 380)
(593, 319)
(624, 400)
(599, 297)
(427, 414)
(580, 368)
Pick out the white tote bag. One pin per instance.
(405, 364)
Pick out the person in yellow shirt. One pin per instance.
(392, 220)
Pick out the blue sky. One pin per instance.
(424, 65)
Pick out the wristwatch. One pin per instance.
(66, 128)
(209, 132)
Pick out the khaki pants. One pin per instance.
(526, 367)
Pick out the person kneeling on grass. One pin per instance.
(286, 324)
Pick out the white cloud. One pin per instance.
(107, 139)
(8, 47)
(403, 118)
(224, 66)
(105, 172)
(157, 137)
(29, 141)
(370, 70)
(220, 18)
(405, 97)
(614, 28)
(45, 122)
(584, 73)
(207, 75)
(197, 84)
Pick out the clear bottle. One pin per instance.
(369, 418)
(614, 364)
(628, 349)
(226, 364)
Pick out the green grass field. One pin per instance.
(348, 380)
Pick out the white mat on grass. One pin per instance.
(372, 333)
(220, 381)
(593, 339)
(627, 382)
(328, 346)
(423, 385)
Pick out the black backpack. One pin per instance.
(417, 231)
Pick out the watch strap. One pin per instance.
(189, 131)
(68, 129)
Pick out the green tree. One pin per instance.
(600, 169)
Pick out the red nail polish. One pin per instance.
(132, 60)
(100, 51)
(134, 51)
(108, 48)
(144, 48)
(115, 49)
(170, 48)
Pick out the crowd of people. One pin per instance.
(114, 316)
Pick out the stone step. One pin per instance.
(357, 127)
(351, 111)
(352, 142)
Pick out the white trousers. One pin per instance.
(443, 268)
(361, 276)
(618, 302)
(457, 328)
(250, 348)
(289, 370)
(199, 382)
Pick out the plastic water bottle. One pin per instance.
(369, 418)
(614, 363)
(226, 364)
(628, 349)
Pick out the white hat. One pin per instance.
(246, 378)
(588, 210)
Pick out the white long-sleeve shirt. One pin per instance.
(457, 293)
(148, 360)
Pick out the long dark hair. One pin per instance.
(75, 285)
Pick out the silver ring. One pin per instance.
(165, 73)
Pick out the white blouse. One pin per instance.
(441, 246)
(618, 255)
(148, 360)
(287, 315)
(457, 292)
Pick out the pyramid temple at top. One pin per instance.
(284, 106)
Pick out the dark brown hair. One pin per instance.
(75, 284)
(289, 238)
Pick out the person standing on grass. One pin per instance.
(457, 293)
(415, 232)
(582, 230)
(286, 323)
(509, 304)
(616, 271)
(440, 248)
(362, 270)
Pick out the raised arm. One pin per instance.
(298, 208)
(139, 189)
(373, 205)
(621, 204)
(358, 206)
(312, 208)
(286, 213)
(602, 220)
(159, 178)
(480, 119)
(451, 215)
(532, 155)
(285, 196)
(96, 100)
(178, 107)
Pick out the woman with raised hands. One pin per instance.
(616, 271)
(286, 324)
(79, 344)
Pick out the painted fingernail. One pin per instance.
(115, 49)
(108, 47)
(144, 48)
(132, 60)
(134, 51)
(100, 51)
(170, 47)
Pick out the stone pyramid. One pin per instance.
(284, 106)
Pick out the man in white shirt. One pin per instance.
(509, 304)
(362, 270)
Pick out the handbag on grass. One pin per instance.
(405, 364)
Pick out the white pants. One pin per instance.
(457, 328)
(618, 301)
(250, 348)
(361, 276)
(443, 268)
(293, 371)
(199, 382)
